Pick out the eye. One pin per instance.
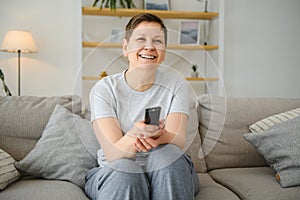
(140, 39)
(158, 41)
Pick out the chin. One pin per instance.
(150, 65)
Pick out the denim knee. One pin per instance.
(176, 179)
(125, 165)
(163, 156)
(115, 181)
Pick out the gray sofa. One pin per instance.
(228, 166)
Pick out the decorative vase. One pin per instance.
(194, 73)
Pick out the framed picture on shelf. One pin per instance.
(156, 4)
(116, 35)
(189, 32)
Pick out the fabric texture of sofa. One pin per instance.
(53, 157)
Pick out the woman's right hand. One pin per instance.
(142, 130)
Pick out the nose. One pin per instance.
(149, 46)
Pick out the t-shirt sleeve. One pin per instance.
(101, 101)
(180, 101)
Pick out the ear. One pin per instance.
(125, 45)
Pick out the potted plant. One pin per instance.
(112, 4)
(5, 88)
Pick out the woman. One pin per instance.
(138, 160)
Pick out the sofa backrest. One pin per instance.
(193, 140)
(23, 119)
(222, 135)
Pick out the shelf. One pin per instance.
(166, 14)
(90, 78)
(95, 78)
(171, 46)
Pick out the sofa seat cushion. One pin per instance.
(25, 117)
(211, 190)
(257, 183)
(36, 189)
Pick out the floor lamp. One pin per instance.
(18, 41)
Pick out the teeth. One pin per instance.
(147, 57)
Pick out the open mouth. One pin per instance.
(149, 57)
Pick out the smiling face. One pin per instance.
(146, 46)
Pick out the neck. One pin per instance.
(140, 79)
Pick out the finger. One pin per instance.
(139, 146)
(155, 134)
(162, 123)
(146, 144)
(141, 126)
(150, 128)
(136, 135)
(149, 134)
(154, 143)
(133, 132)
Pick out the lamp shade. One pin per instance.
(18, 40)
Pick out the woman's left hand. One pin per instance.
(145, 144)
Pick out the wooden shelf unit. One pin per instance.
(166, 14)
(171, 46)
(169, 14)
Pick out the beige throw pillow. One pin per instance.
(266, 123)
(8, 172)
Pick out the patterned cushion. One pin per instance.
(270, 121)
(8, 172)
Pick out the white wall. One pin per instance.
(56, 28)
(262, 46)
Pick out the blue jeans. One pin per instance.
(169, 174)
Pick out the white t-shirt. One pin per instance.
(112, 97)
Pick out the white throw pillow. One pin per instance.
(8, 172)
(266, 123)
